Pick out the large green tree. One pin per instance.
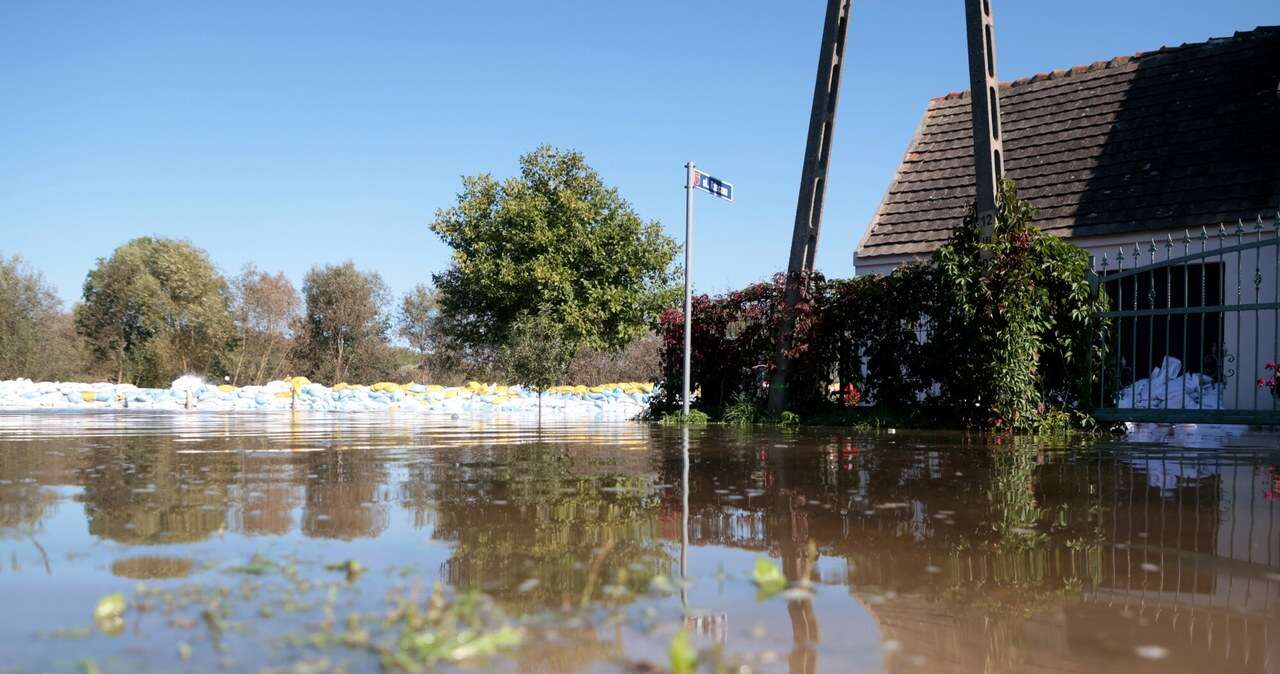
(344, 326)
(554, 237)
(155, 310)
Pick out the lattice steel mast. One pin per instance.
(984, 94)
(988, 156)
(813, 180)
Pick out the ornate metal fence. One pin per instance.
(1194, 327)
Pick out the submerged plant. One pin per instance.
(466, 627)
(768, 578)
(694, 418)
(744, 411)
(108, 615)
(684, 657)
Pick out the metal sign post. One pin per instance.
(688, 290)
(694, 179)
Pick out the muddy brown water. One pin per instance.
(227, 535)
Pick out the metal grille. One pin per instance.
(1194, 327)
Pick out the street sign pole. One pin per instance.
(694, 180)
(688, 291)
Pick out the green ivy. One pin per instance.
(996, 334)
(1015, 321)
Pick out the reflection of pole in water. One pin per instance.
(684, 519)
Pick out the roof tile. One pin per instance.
(1181, 137)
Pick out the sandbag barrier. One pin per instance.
(619, 401)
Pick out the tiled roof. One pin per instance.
(1181, 137)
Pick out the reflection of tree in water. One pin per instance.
(137, 491)
(269, 493)
(573, 650)
(25, 500)
(544, 513)
(149, 567)
(1014, 512)
(346, 495)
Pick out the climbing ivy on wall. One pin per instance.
(994, 333)
(1021, 317)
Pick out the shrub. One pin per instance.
(695, 418)
(1015, 320)
(992, 334)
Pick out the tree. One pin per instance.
(554, 237)
(419, 323)
(34, 339)
(538, 352)
(266, 307)
(344, 329)
(419, 320)
(156, 309)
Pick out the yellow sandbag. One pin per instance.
(226, 388)
(284, 394)
(451, 393)
(386, 387)
(434, 388)
(298, 382)
(88, 396)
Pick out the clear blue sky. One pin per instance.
(289, 133)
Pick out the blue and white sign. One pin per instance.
(712, 185)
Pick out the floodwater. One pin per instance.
(584, 549)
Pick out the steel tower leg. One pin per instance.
(813, 178)
(984, 92)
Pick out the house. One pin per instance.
(1140, 150)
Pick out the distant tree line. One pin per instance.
(553, 277)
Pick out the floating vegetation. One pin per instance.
(108, 615)
(768, 579)
(684, 657)
(351, 568)
(258, 565)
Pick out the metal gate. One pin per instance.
(1194, 328)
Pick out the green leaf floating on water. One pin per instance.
(431, 647)
(257, 566)
(768, 578)
(108, 614)
(684, 657)
(352, 568)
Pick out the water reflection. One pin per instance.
(927, 551)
